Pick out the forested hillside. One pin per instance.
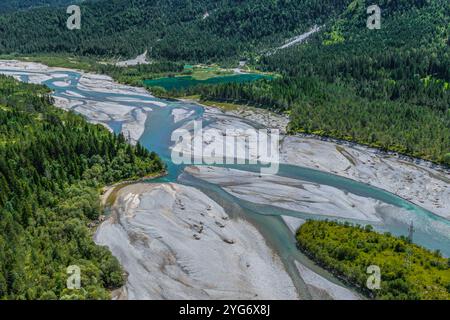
(52, 165)
(171, 29)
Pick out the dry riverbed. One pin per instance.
(290, 194)
(111, 109)
(421, 182)
(176, 243)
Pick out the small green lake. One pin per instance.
(183, 82)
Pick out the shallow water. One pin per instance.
(431, 231)
(183, 82)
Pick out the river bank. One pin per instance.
(107, 193)
(266, 118)
(290, 194)
(418, 181)
(176, 243)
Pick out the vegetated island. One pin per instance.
(408, 271)
(53, 165)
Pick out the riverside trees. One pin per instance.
(407, 270)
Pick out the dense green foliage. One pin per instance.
(388, 88)
(407, 270)
(52, 165)
(173, 30)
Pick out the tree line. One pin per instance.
(171, 30)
